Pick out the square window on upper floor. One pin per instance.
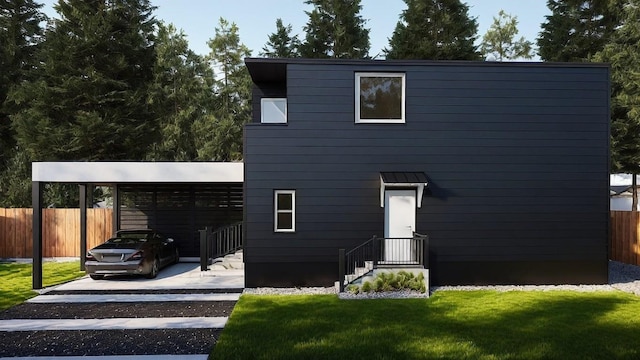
(273, 110)
(380, 97)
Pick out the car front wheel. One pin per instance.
(96, 276)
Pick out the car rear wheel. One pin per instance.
(96, 276)
(154, 269)
(177, 257)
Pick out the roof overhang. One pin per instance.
(417, 180)
(138, 172)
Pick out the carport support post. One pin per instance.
(83, 224)
(36, 204)
(116, 208)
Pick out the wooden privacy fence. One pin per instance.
(624, 237)
(60, 231)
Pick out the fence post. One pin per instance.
(341, 269)
(204, 254)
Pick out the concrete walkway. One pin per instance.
(172, 286)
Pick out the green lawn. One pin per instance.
(449, 325)
(15, 279)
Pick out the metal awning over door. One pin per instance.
(403, 179)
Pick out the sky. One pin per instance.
(256, 18)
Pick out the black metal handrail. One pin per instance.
(383, 252)
(218, 243)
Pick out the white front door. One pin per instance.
(399, 222)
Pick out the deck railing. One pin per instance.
(382, 252)
(219, 242)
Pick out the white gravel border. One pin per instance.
(623, 277)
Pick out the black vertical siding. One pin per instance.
(517, 158)
(180, 210)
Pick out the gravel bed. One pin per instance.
(142, 292)
(108, 342)
(622, 277)
(290, 291)
(118, 310)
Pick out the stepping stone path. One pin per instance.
(150, 322)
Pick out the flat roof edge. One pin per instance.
(407, 62)
(138, 172)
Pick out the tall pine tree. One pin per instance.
(335, 30)
(623, 52)
(20, 35)
(281, 44)
(434, 30)
(180, 95)
(222, 140)
(577, 29)
(90, 102)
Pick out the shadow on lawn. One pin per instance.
(558, 325)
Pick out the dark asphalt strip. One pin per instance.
(108, 342)
(118, 310)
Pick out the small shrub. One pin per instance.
(353, 288)
(389, 281)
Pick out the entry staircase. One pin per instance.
(382, 254)
(221, 248)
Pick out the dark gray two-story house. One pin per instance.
(503, 165)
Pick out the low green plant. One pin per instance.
(391, 281)
(352, 288)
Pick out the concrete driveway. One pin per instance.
(177, 276)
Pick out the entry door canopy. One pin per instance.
(417, 180)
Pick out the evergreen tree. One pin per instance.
(222, 140)
(20, 35)
(335, 30)
(499, 42)
(180, 95)
(434, 30)
(623, 52)
(90, 100)
(577, 29)
(281, 44)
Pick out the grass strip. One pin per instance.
(449, 325)
(15, 279)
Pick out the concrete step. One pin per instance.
(231, 261)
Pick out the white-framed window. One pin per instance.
(273, 110)
(284, 211)
(380, 97)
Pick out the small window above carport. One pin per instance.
(403, 179)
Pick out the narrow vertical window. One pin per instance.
(273, 110)
(285, 214)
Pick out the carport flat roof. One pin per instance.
(138, 172)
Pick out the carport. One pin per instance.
(177, 198)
